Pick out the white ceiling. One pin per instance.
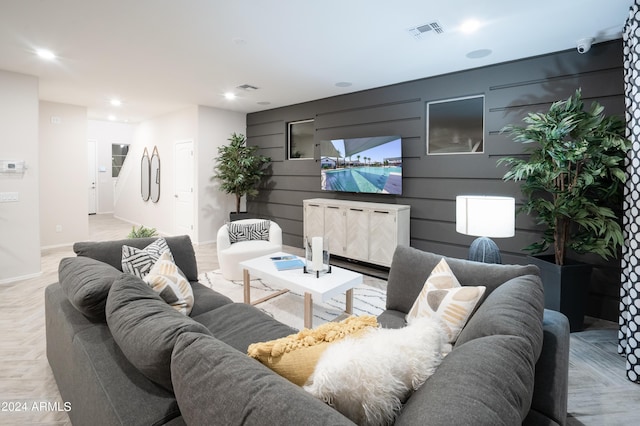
(158, 56)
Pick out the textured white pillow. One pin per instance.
(140, 261)
(444, 299)
(368, 378)
(166, 279)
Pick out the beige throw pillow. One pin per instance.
(294, 357)
(166, 279)
(444, 299)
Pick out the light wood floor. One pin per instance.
(599, 393)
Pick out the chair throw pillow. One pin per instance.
(369, 378)
(248, 231)
(295, 356)
(140, 261)
(444, 299)
(166, 279)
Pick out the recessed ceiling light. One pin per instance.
(46, 54)
(343, 84)
(115, 102)
(112, 117)
(469, 26)
(229, 96)
(480, 53)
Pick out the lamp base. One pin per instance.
(484, 250)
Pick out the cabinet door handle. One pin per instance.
(356, 210)
(378, 211)
(333, 207)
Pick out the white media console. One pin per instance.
(367, 232)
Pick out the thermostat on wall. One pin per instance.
(11, 166)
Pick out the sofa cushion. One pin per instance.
(487, 381)
(206, 299)
(443, 299)
(145, 327)
(140, 261)
(294, 357)
(368, 378)
(239, 325)
(410, 267)
(111, 252)
(204, 369)
(166, 279)
(515, 308)
(248, 231)
(86, 283)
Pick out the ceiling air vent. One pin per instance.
(422, 30)
(248, 87)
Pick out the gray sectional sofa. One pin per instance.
(121, 356)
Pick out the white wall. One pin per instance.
(163, 132)
(208, 128)
(19, 231)
(215, 126)
(64, 179)
(106, 133)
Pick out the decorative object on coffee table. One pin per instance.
(316, 251)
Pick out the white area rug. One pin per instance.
(288, 308)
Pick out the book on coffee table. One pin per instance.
(284, 263)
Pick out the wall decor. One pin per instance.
(456, 126)
(300, 139)
(145, 175)
(155, 175)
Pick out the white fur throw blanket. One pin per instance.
(368, 378)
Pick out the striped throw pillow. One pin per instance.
(140, 261)
(249, 231)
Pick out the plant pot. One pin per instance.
(566, 287)
(233, 216)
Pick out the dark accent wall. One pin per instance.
(431, 183)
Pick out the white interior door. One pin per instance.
(91, 158)
(184, 196)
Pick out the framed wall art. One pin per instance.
(456, 126)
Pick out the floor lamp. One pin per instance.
(485, 217)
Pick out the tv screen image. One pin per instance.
(362, 165)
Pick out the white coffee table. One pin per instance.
(321, 289)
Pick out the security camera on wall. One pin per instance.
(584, 44)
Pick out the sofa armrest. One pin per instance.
(552, 372)
(222, 239)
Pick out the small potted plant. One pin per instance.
(239, 168)
(573, 182)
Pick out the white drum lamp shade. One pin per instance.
(485, 217)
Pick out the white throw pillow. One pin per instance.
(368, 378)
(165, 278)
(444, 299)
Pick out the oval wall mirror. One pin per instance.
(145, 175)
(155, 175)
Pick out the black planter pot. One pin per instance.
(566, 287)
(233, 216)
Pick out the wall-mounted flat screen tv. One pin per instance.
(362, 165)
